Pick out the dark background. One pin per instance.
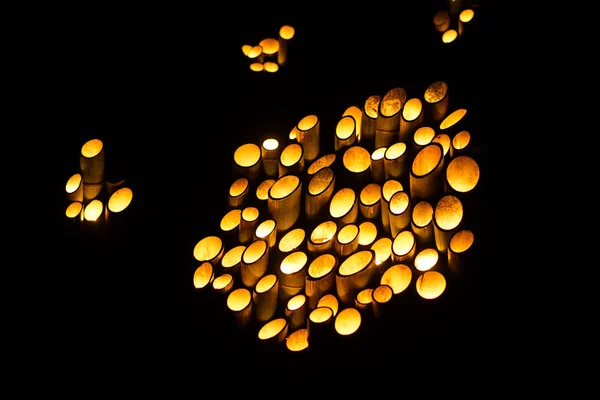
(171, 95)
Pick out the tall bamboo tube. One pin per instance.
(274, 331)
(308, 135)
(399, 208)
(74, 188)
(238, 192)
(447, 217)
(291, 160)
(436, 98)
(270, 153)
(421, 138)
(239, 302)
(426, 171)
(345, 133)
(356, 113)
(346, 240)
(382, 295)
(296, 311)
(267, 230)
(357, 163)
(404, 247)
(343, 207)
(422, 222)
(369, 201)
(204, 274)
(389, 111)
(367, 233)
(285, 200)
(460, 143)
(411, 118)
(255, 262)
(319, 193)
(265, 297)
(460, 242)
(320, 277)
(248, 223)
(91, 163)
(394, 161)
(369, 117)
(232, 259)
(426, 259)
(389, 187)
(247, 161)
(354, 274)
(378, 164)
(270, 47)
(286, 33)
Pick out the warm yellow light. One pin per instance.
(367, 232)
(436, 92)
(291, 154)
(320, 163)
(466, 15)
(270, 144)
(398, 277)
(296, 302)
(262, 191)
(347, 234)
(250, 214)
(208, 248)
(382, 294)
(364, 296)
(345, 127)
(265, 228)
(293, 262)
(426, 160)
(448, 212)
(392, 102)
(323, 232)
(271, 66)
(453, 118)
(284, 186)
(272, 328)
(246, 49)
(247, 155)
(370, 194)
(297, 340)
(93, 211)
(321, 266)
(120, 200)
(403, 243)
(230, 220)
(441, 20)
(233, 256)
(269, 45)
(378, 153)
(329, 300)
(424, 135)
(357, 159)
(257, 66)
(73, 209)
(239, 299)
(355, 113)
(399, 202)
(444, 140)
(203, 275)
(293, 133)
(461, 140)
(222, 281)
(462, 174)
(308, 122)
(372, 106)
(255, 51)
(254, 251)
(320, 315)
(449, 36)
(92, 148)
(73, 183)
(383, 250)
(320, 181)
(422, 214)
(395, 151)
(266, 283)
(461, 241)
(347, 321)
(287, 32)
(426, 259)
(342, 202)
(238, 187)
(431, 284)
(292, 240)
(412, 109)
(390, 187)
(356, 263)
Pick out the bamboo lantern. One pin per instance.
(295, 311)
(430, 285)
(398, 277)
(232, 259)
(345, 133)
(270, 153)
(230, 223)
(247, 161)
(452, 123)
(348, 321)
(209, 248)
(292, 241)
(248, 224)
(320, 326)
(239, 302)
(425, 173)
(285, 200)
(74, 211)
(422, 222)
(444, 141)
(460, 242)
(246, 49)
(355, 113)
(267, 230)
(91, 163)
(318, 195)
(426, 259)
(369, 201)
(255, 262)
(322, 162)
(74, 188)
(346, 241)
(354, 274)
(291, 160)
(441, 20)
(447, 216)
(367, 233)
(421, 138)
(271, 66)
(377, 166)
(464, 18)
(389, 187)
(399, 212)
(238, 192)
(436, 102)
(292, 272)
(364, 299)
(411, 118)
(320, 277)
(270, 47)
(369, 117)
(286, 33)
(94, 211)
(256, 55)
(388, 116)
(265, 297)
(404, 247)
(307, 134)
(293, 135)
(343, 207)
(462, 174)
(262, 190)
(223, 283)
(274, 331)
(321, 238)
(383, 251)
(203, 275)
(382, 295)
(257, 66)
(119, 200)
(329, 300)
(449, 36)
(297, 341)
(460, 142)
(394, 161)
(357, 160)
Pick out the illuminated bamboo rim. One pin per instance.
(355, 113)
(231, 220)
(239, 299)
(424, 135)
(293, 133)
(357, 159)
(92, 148)
(320, 315)
(392, 102)
(412, 109)
(222, 283)
(322, 266)
(284, 186)
(382, 294)
(448, 212)
(395, 151)
(287, 32)
(257, 66)
(397, 277)
(266, 283)
(269, 45)
(233, 257)
(320, 163)
(342, 203)
(462, 174)
(427, 160)
(297, 340)
(296, 302)
(246, 49)
(247, 155)
(308, 122)
(466, 15)
(273, 328)
(399, 202)
(403, 244)
(209, 248)
(370, 194)
(255, 52)
(262, 191)
(371, 106)
(356, 263)
(254, 252)
(347, 234)
(453, 118)
(383, 249)
(441, 20)
(120, 200)
(292, 154)
(203, 275)
(321, 181)
(431, 284)
(292, 240)
(265, 228)
(345, 128)
(323, 232)
(426, 259)
(367, 233)
(436, 92)
(378, 153)
(293, 262)
(73, 183)
(422, 214)
(250, 214)
(271, 66)
(461, 241)
(347, 321)
(239, 187)
(444, 140)
(449, 36)
(390, 187)
(93, 210)
(461, 140)
(270, 144)
(74, 209)
(363, 298)
(329, 300)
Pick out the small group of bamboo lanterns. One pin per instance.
(315, 242)
(452, 22)
(90, 197)
(270, 53)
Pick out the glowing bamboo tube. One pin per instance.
(460, 143)
(248, 224)
(367, 233)
(203, 275)
(388, 115)
(297, 341)
(329, 300)
(94, 212)
(427, 167)
(369, 117)
(230, 223)
(292, 271)
(91, 163)
(320, 277)
(369, 201)
(399, 212)
(389, 187)
(421, 138)
(436, 102)
(246, 49)
(262, 190)
(257, 66)
(363, 299)
(354, 274)
(74, 188)
(398, 277)
(239, 303)
(411, 118)
(286, 33)
(247, 161)
(464, 18)
(460, 242)
(296, 310)
(255, 54)
(321, 238)
(356, 113)
(271, 66)
(209, 248)
(223, 283)
(426, 259)
(378, 164)
(285, 200)
(462, 175)
(270, 152)
(322, 162)
(443, 140)
(119, 200)
(291, 160)
(347, 321)
(449, 36)
(430, 285)
(453, 122)
(74, 211)
(447, 216)
(383, 252)
(265, 297)
(307, 134)
(404, 247)
(346, 240)
(394, 161)
(382, 295)
(345, 133)
(441, 20)
(255, 262)
(421, 222)
(320, 327)
(318, 195)
(238, 192)
(292, 241)
(357, 160)
(274, 331)
(232, 259)
(267, 230)
(270, 48)
(343, 207)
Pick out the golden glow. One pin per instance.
(427, 160)
(308, 122)
(269, 45)
(364, 296)
(296, 302)
(382, 294)
(271, 66)
(292, 240)
(231, 220)
(372, 105)
(347, 321)
(321, 266)
(436, 92)
(233, 256)
(323, 232)
(293, 262)
(449, 36)
(461, 241)
(73, 209)
(246, 49)
(73, 183)
(254, 251)
(250, 214)
(395, 151)
(222, 281)
(378, 153)
(431, 284)
(330, 301)
(320, 315)
(266, 283)
(462, 174)
(291, 154)
(424, 135)
(262, 191)
(92, 148)
(453, 118)
(247, 155)
(238, 187)
(255, 51)
(342, 202)
(367, 232)
(397, 277)
(345, 127)
(203, 275)
(412, 109)
(383, 250)
(356, 113)
(356, 263)
(320, 163)
(293, 133)
(426, 259)
(390, 187)
(120, 200)
(441, 20)
(370, 194)
(444, 140)
(422, 214)
(284, 186)
(466, 15)
(403, 243)
(448, 212)
(265, 228)
(320, 181)
(392, 102)
(208, 248)
(347, 234)
(461, 140)
(93, 210)
(357, 159)
(270, 144)
(257, 66)
(239, 299)
(297, 340)
(272, 328)
(287, 32)
(399, 202)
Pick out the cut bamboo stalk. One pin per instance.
(285, 200)
(255, 263)
(247, 161)
(319, 193)
(404, 247)
(382, 295)
(389, 112)
(426, 172)
(343, 208)
(363, 299)
(267, 230)
(270, 153)
(296, 311)
(248, 224)
(447, 218)
(398, 277)
(422, 222)
(209, 248)
(274, 332)
(421, 138)
(321, 238)
(239, 303)
(357, 163)
(286, 33)
(460, 242)
(91, 162)
(308, 135)
(460, 144)
(369, 201)
(238, 192)
(74, 188)
(265, 297)
(369, 117)
(354, 274)
(394, 161)
(291, 160)
(346, 240)
(389, 187)
(204, 275)
(232, 259)
(292, 270)
(411, 119)
(320, 277)
(399, 212)
(223, 283)
(345, 133)
(378, 164)
(436, 99)
(356, 113)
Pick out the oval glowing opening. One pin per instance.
(272, 328)
(444, 140)
(320, 163)
(291, 154)
(73, 183)
(120, 200)
(383, 250)
(308, 122)
(231, 220)
(293, 262)
(298, 340)
(222, 281)
(390, 187)
(93, 211)
(364, 296)
(347, 234)
(265, 228)
(203, 275)
(345, 127)
(246, 49)
(250, 214)
(382, 294)
(254, 251)
(422, 214)
(270, 144)
(462, 174)
(284, 186)
(412, 109)
(466, 15)
(269, 45)
(370, 194)
(453, 118)
(403, 243)
(372, 105)
(436, 92)
(296, 302)
(208, 248)
(266, 283)
(233, 256)
(356, 262)
(92, 148)
(238, 187)
(461, 140)
(441, 20)
(342, 202)
(427, 160)
(395, 151)
(356, 113)
(461, 241)
(291, 240)
(448, 212)
(271, 66)
(239, 299)
(392, 102)
(262, 191)
(320, 181)
(323, 232)
(431, 284)
(73, 209)
(255, 51)
(399, 202)
(330, 301)
(320, 315)
(424, 135)
(449, 36)
(367, 232)
(357, 159)
(257, 67)
(426, 259)
(378, 153)
(398, 277)
(321, 266)
(347, 321)
(287, 32)
(247, 155)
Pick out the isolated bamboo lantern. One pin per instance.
(322, 162)
(262, 190)
(411, 118)
(369, 116)
(286, 33)
(449, 36)
(230, 222)
(239, 302)
(292, 241)
(447, 216)
(120, 200)
(285, 200)
(74, 188)
(383, 251)
(354, 274)
(346, 241)
(296, 311)
(270, 152)
(321, 238)
(345, 133)
(223, 283)
(422, 137)
(369, 201)
(444, 140)
(91, 163)
(74, 210)
(430, 285)
(329, 300)
(427, 167)
(270, 48)
(460, 242)
(231, 260)
(297, 341)
(348, 321)
(255, 262)
(355, 113)
(394, 161)
(274, 331)
(382, 295)
(377, 166)
(426, 259)
(291, 160)
(364, 299)
(267, 230)
(247, 161)
(459, 143)
(367, 233)
(404, 247)
(265, 297)
(388, 115)
(397, 277)
(209, 248)
(203, 275)
(441, 20)
(256, 54)
(246, 49)
(307, 134)
(248, 224)
(320, 325)
(399, 212)
(464, 18)
(320, 277)
(436, 99)
(257, 66)
(357, 160)
(389, 187)
(462, 174)
(452, 123)
(292, 271)
(319, 192)
(93, 211)
(238, 192)
(422, 222)
(343, 207)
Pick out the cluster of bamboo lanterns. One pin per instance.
(313, 244)
(270, 53)
(453, 22)
(90, 197)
